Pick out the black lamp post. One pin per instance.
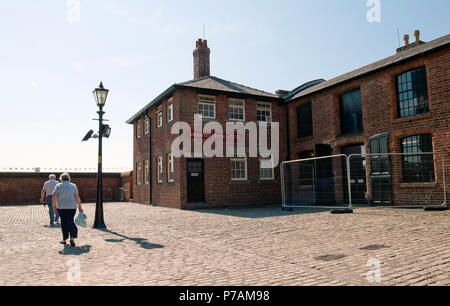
(100, 95)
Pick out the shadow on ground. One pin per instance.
(256, 212)
(53, 226)
(140, 241)
(68, 250)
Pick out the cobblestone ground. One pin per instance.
(259, 246)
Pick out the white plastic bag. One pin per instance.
(81, 220)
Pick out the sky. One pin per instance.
(55, 52)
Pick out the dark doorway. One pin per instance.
(195, 180)
(380, 170)
(324, 176)
(357, 173)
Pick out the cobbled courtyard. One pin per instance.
(249, 246)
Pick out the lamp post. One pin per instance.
(100, 95)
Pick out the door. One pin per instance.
(195, 181)
(324, 183)
(380, 170)
(357, 173)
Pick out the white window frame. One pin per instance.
(147, 126)
(258, 108)
(239, 159)
(170, 168)
(159, 117)
(147, 172)
(207, 100)
(272, 170)
(236, 107)
(170, 110)
(160, 169)
(139, 131)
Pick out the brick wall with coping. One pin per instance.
(25, 188)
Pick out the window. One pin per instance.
(160, 170)
(138, 174)
(207, 107)
(266, 173)
(264, 112)
(236, 110)
(146, 172)
(147, 127)
(418, 167)
(159, 118)
(139, 131)
(304, 121)
(306, 169)
(351, 113)
(170, 172)
(239, 169)
(412, 93)
(170, 111)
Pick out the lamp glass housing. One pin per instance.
(100, 94)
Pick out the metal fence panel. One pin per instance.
(402, 179)
(316, 182)
(365, 180)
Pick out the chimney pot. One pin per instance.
(406, 39)
(417, 35)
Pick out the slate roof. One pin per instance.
(207, 83)
(215, 83)
(402, 56)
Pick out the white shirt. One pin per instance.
(49, 187)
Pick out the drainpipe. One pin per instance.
(288, 137)
(150, 160)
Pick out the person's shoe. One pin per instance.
(63, 242)
(72, 242)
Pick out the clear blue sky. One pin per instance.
(49, 66)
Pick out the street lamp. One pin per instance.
(100, 94)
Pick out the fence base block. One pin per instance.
(287, 209)
(342, 211)
(436, 208)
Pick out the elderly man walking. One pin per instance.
(47, 194)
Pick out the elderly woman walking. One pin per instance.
(66, 199)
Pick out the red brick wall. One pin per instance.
(25, 188)
(167, 194)
(379, 106)
(126, 181)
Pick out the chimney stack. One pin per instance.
(201, 59)
(408, 45)
(406, 39)
(417, 35)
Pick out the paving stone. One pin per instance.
(247, 246)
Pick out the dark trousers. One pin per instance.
(67, 223)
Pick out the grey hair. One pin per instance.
(64, 177)
(52, 177)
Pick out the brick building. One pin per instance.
(398, 104)
(198, 182)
